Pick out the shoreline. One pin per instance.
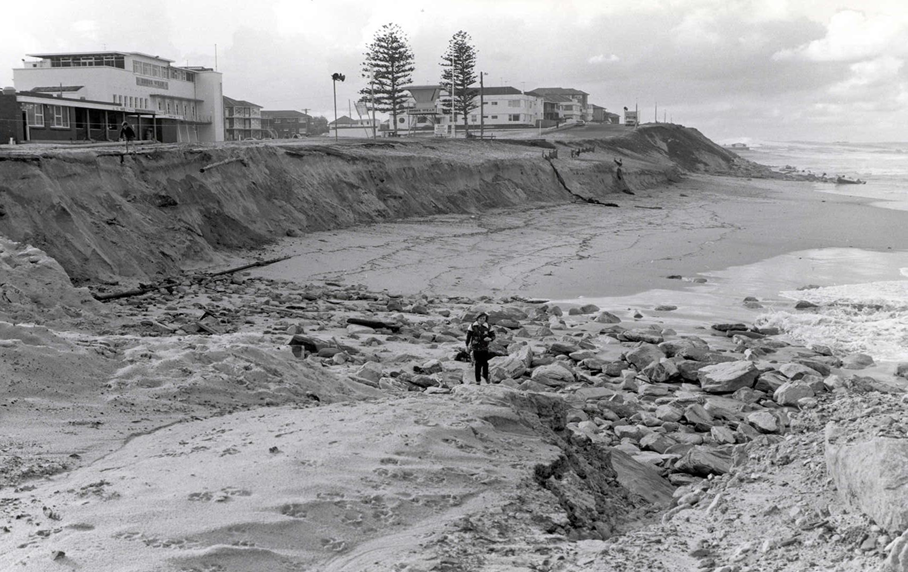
(565, 252)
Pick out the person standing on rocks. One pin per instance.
(478, 337)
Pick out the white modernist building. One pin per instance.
(97, 90)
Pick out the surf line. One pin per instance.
(575, 195)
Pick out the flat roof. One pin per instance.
(103, 53)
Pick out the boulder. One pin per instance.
(660, 371)
(641, 479)
(727, 377)
(511, 366)
(897, 561)
(901, 370)
(668, 413)
(607, 318)
(857, 361)
(770, 381)
(657, 442)
(790, 392)
(677, 347)
(370, 370)
(588, 309)
(565, 348)
(764, 421)
(703, 460)
(699, 417)
(722, 435)
(644, 355)
(870, 475)
(552, 375)
(795, 371)
(642, 335)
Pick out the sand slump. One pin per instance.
(104, 219)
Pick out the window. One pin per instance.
(494, 103)
(35, 114)
(514, 117)
(494, 117)
(513, 103)
(61, 115)
(422, 119)
(473, 118)
(401, 120)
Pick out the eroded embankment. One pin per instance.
(105, 217)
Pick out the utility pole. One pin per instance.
(306, 112)
(453, 110)
(336, 77)
(481, 107)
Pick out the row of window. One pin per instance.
(152, 70)
(130, 101)
(34, 113)
(99, 60)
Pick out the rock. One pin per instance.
(565, 348)
(678, 347)
(429, 367)
(770, 381)
(552, 375)
(870, 475)
(857, 361)
(665, 308)
(790, 392)
(582, 355)
(661, 371)
(722, 435)
(764, 421)
(508, 323)
(668, 413)
(641, 479)
(897, 561)
(632, 432)
(642, 335)
(607, 318)
(748, 395)
(703, 460)
(534, 386)
(729, 327)
(727, 377)
(699, 417)
(901, 370)
(834, 382)
(820, 367)
(657, 442)
(511, 366)
(391, 384)
(422, 381)
(644, 355)
(795, 371)
(371, 371)
(588, 309)
(804, 305)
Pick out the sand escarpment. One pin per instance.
(105, 216)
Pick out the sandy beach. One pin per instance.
(702, 224)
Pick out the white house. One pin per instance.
(95, 90)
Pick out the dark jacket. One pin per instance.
(476, 335)
(127, 133)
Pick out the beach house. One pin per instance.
(242, 120)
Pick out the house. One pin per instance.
(242, 120)
(348, 127)
(285, 124)
(572, 104)
(84, 96)
(600, 115)
(502, 107)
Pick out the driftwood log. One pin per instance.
(376, 324)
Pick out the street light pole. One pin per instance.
(336, 77)
(481, 107)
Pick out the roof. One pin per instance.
(229, 101)
(56, 88)
(559, 99)
(283, 113)
(557, 91)
(597, 107)
(502, 90)
(343, 120)
(98, 54)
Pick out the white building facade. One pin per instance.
(163, 101)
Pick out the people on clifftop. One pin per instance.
(479, 336)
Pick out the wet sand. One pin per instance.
(702, 224)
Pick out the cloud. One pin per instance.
(854, 36)
(602, 58)
(88, 29)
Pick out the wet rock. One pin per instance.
(857, 361)
(790, 392)
(727, 377)
(565, 348)
(729, 327)
(665, 308)
(870, 475)
(703, 460)
(805, 305)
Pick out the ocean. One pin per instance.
(862, 295)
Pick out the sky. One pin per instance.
(737, 70)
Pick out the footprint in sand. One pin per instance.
(294, 510)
